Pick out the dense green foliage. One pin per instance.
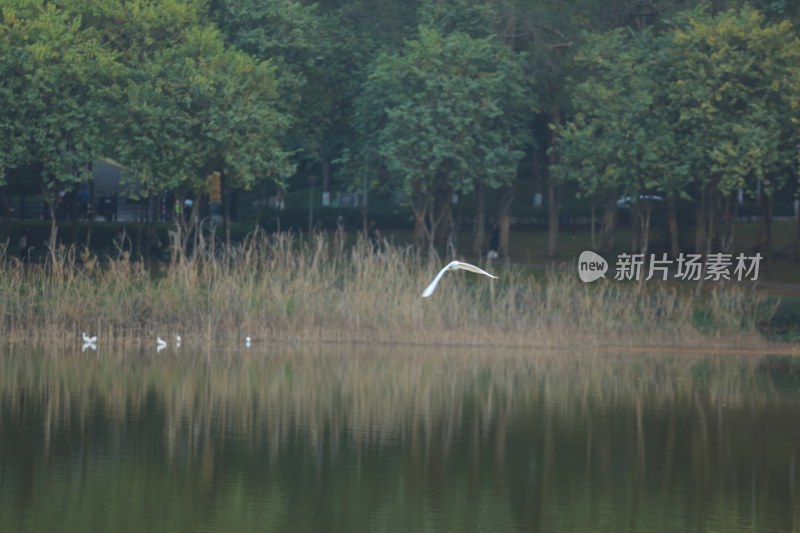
(54, 93)
(706, 107)
(445, 113)
(424, 98)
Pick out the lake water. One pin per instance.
(397, 439)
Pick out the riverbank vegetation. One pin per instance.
(276, 288)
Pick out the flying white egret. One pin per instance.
(160, 344)
(454, 265)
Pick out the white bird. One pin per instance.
(160, 344)
(89, 342)
(178, 341)
(454, 265)
(247, 341)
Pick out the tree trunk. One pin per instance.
(443, 215)
(797, 237)
(90, 212)
(553, 213)
(420, 204)
(141, 243)
(636, 226)
(365, 211)
(700, 236)
(430, 230)
(712, 225)
(706, 233)
(644, 215)
(728, 224)
(553, 190)
(672, 221)
(419, 230)
(6, 207)
(365, 220)
(765, 228)
(479, 230)
(52, 203)
(145, 250)
(609, 224)
(311, 181)
(73, 214)
(437, 222)
(325, 169)
(181, 239)
(504, 219)
(53, 232)
(226, 209)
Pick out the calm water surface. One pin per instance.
(398, 439)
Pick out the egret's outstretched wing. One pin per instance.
(459, 265)
(432, 287)
(453, 265)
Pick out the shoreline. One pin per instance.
(308, 340)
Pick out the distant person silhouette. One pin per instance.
(83, 201)
(494, 242)
(375, 237)
(25, 245)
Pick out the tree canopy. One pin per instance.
(444, 113)
(426, 98)
(54, 91)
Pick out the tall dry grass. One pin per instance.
(280, 288)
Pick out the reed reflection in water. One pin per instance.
(397, 439)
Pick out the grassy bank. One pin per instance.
(276, 288)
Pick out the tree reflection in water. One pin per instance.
(389, 438)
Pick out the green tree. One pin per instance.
(620, 141)
(478, 19)
(735, 94)
(708, 108)
(15, 97)
(55, 91)
(241, 128)
(551, 32)
(317, 60)
(187, 103)
(439, 116)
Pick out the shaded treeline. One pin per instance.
(554, 440)
(422, 99)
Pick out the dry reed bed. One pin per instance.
(278, 288)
